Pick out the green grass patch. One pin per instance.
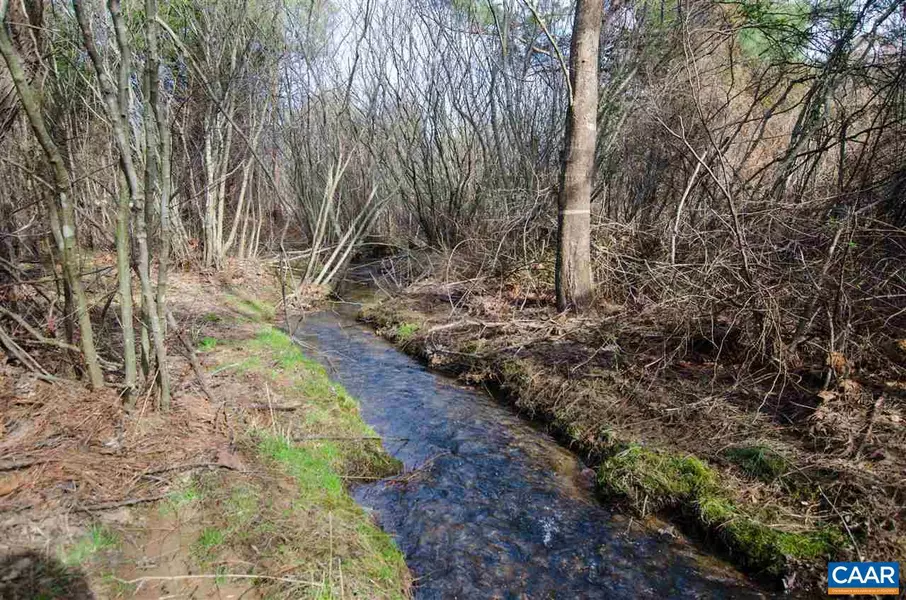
(303, 522)
(98, 539)
(284, 351)
(207, 344)
(212, 318)
(252, 308)
(180, 499)
(370, 554)
(312, 468)
(758, 461)
(209, 540)
(652, 481)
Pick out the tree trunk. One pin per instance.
(116, 104)
(574, 280)
(124, 275)
(64, 226)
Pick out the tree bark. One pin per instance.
(26, 31)
(574, 281)
(124, 275)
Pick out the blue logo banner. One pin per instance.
(876, 578)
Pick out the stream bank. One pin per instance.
(489, 506)
(668, 442)
(243, 493)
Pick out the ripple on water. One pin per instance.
(497, 508)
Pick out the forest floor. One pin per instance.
(778, 482)
(240, 494)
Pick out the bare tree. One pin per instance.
(61, 209)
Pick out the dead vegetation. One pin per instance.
(779, 470)
(210, 497)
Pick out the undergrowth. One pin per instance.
(97, 539)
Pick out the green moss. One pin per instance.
(758, 461)
(663, 479)
(516, 375)
(767, 549)
(406, 331)
(212, 318)
(97, 539)
(651, 481)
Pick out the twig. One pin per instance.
(120, 503)
(845, 524)
(22, 464)
(218, 576)
(311, 438)
(872, 416)
(275, 407)
(189, 467)
(270, 406)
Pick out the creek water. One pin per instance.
(490, 506)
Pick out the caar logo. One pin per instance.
(863, 578)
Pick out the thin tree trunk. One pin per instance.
(124, 275)
(116, 105)
(65, 231)
(574, 281)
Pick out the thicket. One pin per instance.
(749, 172)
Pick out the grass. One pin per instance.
(328, 406)
(312, 468)
(766, 541)
(208, 541)
(181, 498)
(362, 551)
(252, 308)
(98, 539)
(301, 520)
(758, 461)
(207, 344)
(652, 481)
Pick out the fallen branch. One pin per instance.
(193, 359)
(191, 466)
(218, 576)
(120, 503)
(314, 438)
(22, 464)
(277, 407)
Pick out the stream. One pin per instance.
(489, 505)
